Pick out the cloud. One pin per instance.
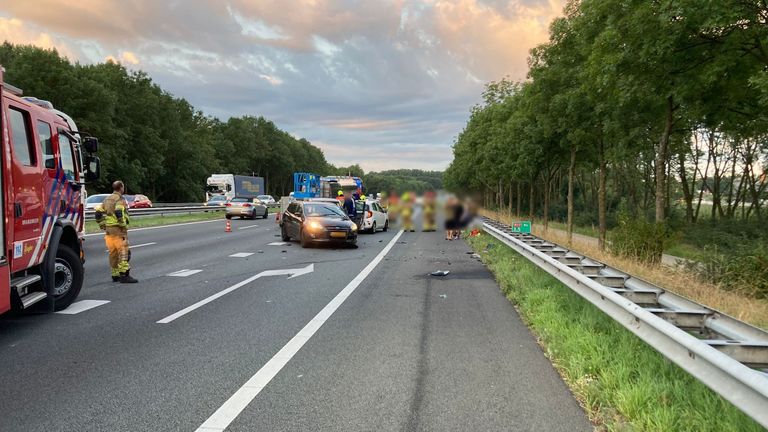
(379, 83)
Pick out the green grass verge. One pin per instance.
(623, 383)
(150, 221)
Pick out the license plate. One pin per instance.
(338, 234)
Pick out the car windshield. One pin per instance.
(265, 197)
(96, 199)
(130, 198)
(324, 210)
(240, 200)
(218, 198)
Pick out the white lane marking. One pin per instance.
(241, 255)
(184, 273)
(248, 227)
(82, 306)
(277, 244)
(223, 416)
(293, 272)
(142, 245)
(159, 227)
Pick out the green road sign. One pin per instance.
(521, 227)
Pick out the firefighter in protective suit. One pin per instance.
(114, 221)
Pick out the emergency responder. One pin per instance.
(340, 196)
(429, 212)
(349, 206)
(406, 212)
(116, 225)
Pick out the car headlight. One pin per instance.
(314, 226)
(354, 227)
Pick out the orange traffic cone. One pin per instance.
(229, 226)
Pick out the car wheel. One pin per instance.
(373, 228)
(229, 216)
(266, 213)
(386, 226)
(305, 243)
(284, 234)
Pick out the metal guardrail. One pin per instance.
(163, 211)
(725, 354)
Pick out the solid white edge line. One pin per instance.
(232, 408)
(157, 227)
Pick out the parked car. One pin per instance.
(246, 208)
(269, 200)
(374, 216)
(317, 222)
(94, 200)
(138, 201)
(217, 201)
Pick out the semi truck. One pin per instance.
(234, 186)
(44, 164)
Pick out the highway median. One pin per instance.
(622, 383)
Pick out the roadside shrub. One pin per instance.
(742, 268)
(639, 239)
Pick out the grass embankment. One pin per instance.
(150, 221)
(681, 281)
(623, 384)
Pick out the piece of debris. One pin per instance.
(440, 273)
(284, 251)
(261, 251)
(443, 296)
(476, 256)
(470, 253)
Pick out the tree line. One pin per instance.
(158, 144)
(653, 109)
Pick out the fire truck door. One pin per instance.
(5, 274)
(26, 171)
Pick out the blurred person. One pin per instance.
(454, 213)
(349, 205)
(340, 196)
(406, 212)
(429, 209)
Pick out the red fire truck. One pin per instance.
(41, 178)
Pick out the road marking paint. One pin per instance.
(248, 227)
(82, 306)
(184, 273)
(142, 245)
(159, 227)
(227, 413)
(277, 244)
(241, 255)
(293, 272)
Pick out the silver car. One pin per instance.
(268, 200)
(246, 208)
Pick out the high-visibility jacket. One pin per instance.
(115, 218)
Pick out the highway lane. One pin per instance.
(390, 358)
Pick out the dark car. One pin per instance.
(317, 222)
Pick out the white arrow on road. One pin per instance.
(293, 272)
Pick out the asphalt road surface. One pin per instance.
(226, 331)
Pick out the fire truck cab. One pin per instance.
(41, 180)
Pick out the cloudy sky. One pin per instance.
(387, 84)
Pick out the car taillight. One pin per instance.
(228, 205)
(370, 214)
(246, 205)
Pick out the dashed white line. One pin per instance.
(227, 413)
(82, 306)
(248, 227)
(277, 244)
(142, 245)
(184, 273)
(241, 255)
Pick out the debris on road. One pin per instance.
(443, 296)
(440, 273)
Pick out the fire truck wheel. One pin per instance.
(68, 277)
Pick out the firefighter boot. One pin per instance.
(126, 278)
(115, 278)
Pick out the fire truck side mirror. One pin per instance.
(93, 168)
(91, 144)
